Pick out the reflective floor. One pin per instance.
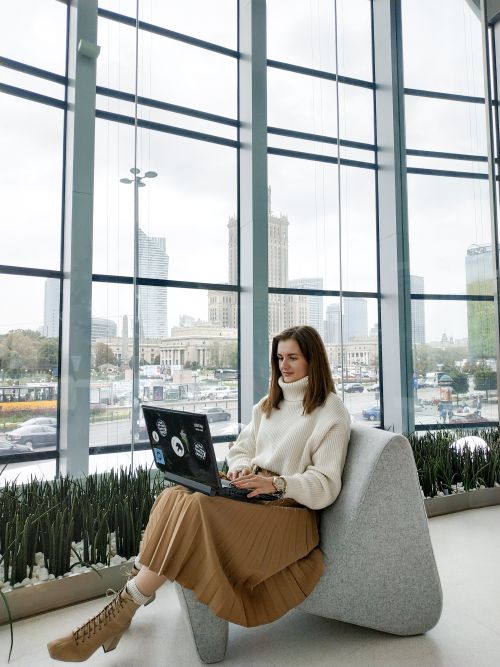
(467, 547)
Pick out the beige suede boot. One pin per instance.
(105, 629)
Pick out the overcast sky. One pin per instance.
(190, 201)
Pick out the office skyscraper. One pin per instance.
(417, 311)
(153, 263)
(314, 304)
(355, 318)
(481, 325)
(51, 308)
(332, 333)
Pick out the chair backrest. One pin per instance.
(379, 565)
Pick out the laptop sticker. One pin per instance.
(158, 454)
(199, 451)
(155, 436)
(177, 446)
(162, 427)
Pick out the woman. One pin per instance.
(249, 562)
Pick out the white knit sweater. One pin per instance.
(309, 451)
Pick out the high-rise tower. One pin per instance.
(153, 263)
(479, 278)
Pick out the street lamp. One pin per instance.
(137, 178)
(138, 182)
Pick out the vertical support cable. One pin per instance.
(339, 197)
(135, 344)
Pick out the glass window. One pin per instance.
(210, 20)
(25, 28)
(308, 104)
(180, 73)
(32, 83)
(187, 337)
(112, 336)
(449, 223)
(302, 33)
(445, 125)
(304, 225)
(442, 46)
(29, 364)
(455, 365)
(23, 473)
(116, 62)
(113, 231)
(190, 208)
(31, 183)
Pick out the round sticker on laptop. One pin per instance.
(162, 427)
(177, 446)
(155, 436)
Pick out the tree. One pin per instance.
(485, 380)
(48, 354)
(103, 355)
(19, 352)
(460, 382)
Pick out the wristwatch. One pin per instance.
(279, 484)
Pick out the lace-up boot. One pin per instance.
(104, 629)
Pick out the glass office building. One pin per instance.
(183, 180)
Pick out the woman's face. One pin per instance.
(292, 363)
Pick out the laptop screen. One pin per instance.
(182, 444)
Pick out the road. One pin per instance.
(118, 432)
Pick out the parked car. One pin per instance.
(219, 392)
(373, 414)
(373, 387)
(231, 393)
(33, 436)
(39, 421)
(11, 448)
(354, 387)
(216, 414)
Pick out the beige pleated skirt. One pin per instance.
(249, 562)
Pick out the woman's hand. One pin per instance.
(238, 473)
(258, 483)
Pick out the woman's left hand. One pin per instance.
(258, 483)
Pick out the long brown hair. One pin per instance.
(320, 378)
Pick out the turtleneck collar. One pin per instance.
(293, 391)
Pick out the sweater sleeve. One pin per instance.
(242, 452)
(320, 484)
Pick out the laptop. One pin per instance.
(183, 450)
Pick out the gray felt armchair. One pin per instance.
(380, 569)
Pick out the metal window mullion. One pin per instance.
(395, 304)
(253, 221)
(490, 71)
(77, 252)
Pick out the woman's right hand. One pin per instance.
(238, 473)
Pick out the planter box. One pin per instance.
(458, 502)
(49, 595)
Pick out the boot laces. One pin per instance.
(100, 619)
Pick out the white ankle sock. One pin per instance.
(137, 563)
(135, 593)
